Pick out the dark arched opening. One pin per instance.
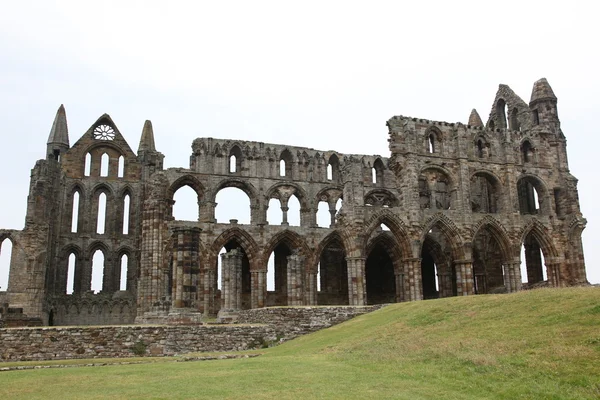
(332, 275)
(277, 275)
(379, 272)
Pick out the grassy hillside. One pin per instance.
(542, 344)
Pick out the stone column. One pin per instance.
(186, 266)
(399, 275)
(464, 277)
(284, 220)
(553, 272)
(258, 285)
(311, 289)
(445, 284)
(231, 280)
(295, 287)
(209, 290)
(412, 279)
(207, 211)
(357, 292)
(512, 276)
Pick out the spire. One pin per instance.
(59, 134)
(475, 119)
(541, 91)
(147, 139)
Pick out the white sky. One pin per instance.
(324, 74)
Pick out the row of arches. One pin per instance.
(104, 211)
(285, 205)
(288, 272)
(104, 163)
(482, 149)
(94, 271)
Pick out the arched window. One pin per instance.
(514, 120)
(101, 218)
(281, 167)
(501, 114)
(431, 143)
(87, 169)
(72, 260)
(97, 271)
(126, 208)
(75, 212)
(378, 169)
(6, 248)
(285, 164)
(293, 211)
(480, 148)
(185, 207)
(235, 160)
(104, 160)
(121, 172)
(232, 204)
(527, 151)
(323, 215)
(232, 164)
(333, 168)
(529, 190)
(124, 272)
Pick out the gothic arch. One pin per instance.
(335, 235)
(241, 184)
(186, 180)
(499, 233)
(542, 235)
(449, 230)
(396, 225)
(299, 192)
(245, 240)
(292, 239)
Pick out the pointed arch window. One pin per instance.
(104, 160)
(97, 271)
(235, 160)
(71, 262)
(101, 218)
(121, 170)
(75, 212)
(480, 148)
(126, 209)
(124, 272)
(87, 169)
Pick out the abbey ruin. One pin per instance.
(446, 214)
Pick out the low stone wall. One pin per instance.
(290, 322)
(255, 329)
(34, 344)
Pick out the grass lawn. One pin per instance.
(541, 344)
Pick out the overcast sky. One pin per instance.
(323, 74)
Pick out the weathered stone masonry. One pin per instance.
(458, 200)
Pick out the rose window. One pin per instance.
(104, 132)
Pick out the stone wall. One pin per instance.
(269, 326)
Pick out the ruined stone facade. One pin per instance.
(445, 215)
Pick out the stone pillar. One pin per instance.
(512, 276)
(295, 275)
(413, 285)
(209, 290)
(258, 284)
(357, 292)
(464, 277)
(445, 284)
(153, 284)
(553, 272)
(207, 211)
(399, 275)
(311, 289)
(231, 280)
(186, 266)
(332, 212)
(284, 220)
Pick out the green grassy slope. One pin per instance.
(542, 344)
